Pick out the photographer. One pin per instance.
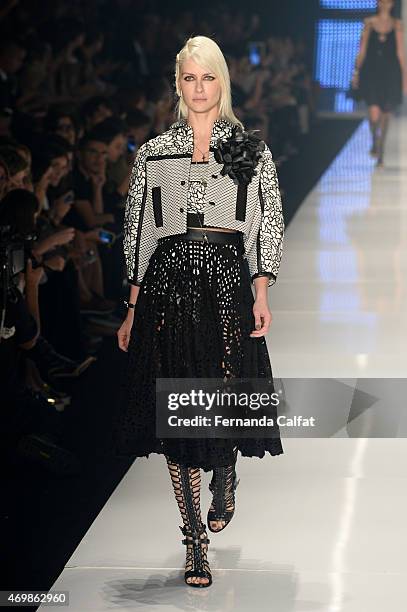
(19, 332)
(21, 319)
(31, 425)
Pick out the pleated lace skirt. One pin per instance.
(192, 319)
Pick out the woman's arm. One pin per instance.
(32, 279)
(123, 188)
(124, 333)
(91, 218)
(264, 254)
(98, 181)
(57, 238)
(360, 58)
(400, 52)
(139, 240)
(265, 250)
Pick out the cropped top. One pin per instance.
(196, 194)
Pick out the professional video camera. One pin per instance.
(14, 252)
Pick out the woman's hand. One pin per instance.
(56, 263)
(262, 317)
(98, 179)
(49, 243)
(33, 275)
(93, 234)
(355, 80)
(123, 334)
(64, 236)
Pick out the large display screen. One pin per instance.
(337, 41)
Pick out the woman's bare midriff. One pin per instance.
(215, 229)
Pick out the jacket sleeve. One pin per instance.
(265, 248)
(139, 241)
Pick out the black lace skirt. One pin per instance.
(192, 319)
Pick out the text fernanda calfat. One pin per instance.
(219, 420)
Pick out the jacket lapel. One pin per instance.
(184, 135)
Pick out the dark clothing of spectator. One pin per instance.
(11, 355)
(59, 302)
(8, 91)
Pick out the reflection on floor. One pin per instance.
(320, 528)
(340, 302)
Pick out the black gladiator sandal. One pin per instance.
(223, 486)
(197, 556)
(187, 483)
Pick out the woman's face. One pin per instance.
(66, 129)
(386, 4)
(200, 87)
(59, 166)
(116, 148)
(17, 180)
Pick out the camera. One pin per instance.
(14, 252)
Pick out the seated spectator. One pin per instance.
(18, 167)
(58, 296)
(95, 110)
(138, 129)
(22, 150)
(119, 164)
(57, 198)
(56, 238)
(62, 121)
(89, 175)
(50, 166)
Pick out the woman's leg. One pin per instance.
(225, 476)
(374, 124)
(384, 126)
(186, 482)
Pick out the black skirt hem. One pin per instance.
(277, 450)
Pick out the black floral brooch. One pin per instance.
(240, 154)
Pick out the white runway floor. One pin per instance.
(323, 527)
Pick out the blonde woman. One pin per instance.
(199, 231)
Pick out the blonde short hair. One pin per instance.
(205, 52)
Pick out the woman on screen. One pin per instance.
(380, 73)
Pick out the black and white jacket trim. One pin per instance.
(156, 204)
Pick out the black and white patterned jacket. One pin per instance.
(156, 204)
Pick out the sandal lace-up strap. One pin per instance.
(223, 486)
